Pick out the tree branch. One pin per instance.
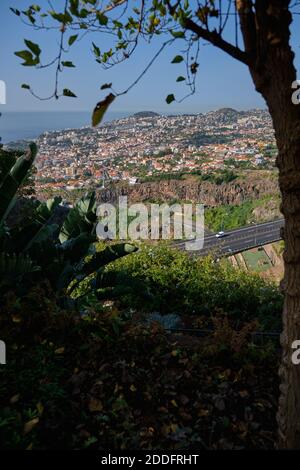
(216, 40)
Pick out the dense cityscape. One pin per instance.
(147, 144)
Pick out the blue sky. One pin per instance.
(221, 81)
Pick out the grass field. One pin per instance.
(257, 260)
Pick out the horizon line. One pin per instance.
(131, 111)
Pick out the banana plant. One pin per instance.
(38, 248)
(13, 180)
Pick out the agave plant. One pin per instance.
(39, 248)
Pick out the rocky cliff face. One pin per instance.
(204, 192)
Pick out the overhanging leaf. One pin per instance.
(105, 86)
(101, 109)
(27, 56)
(72, 39)
(177, 59)
(15, 11)
(96, 50)
(35, 48)
(68, 63)
(69, 93)
(177, 34)
(170, 98)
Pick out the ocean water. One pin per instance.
(29, 125)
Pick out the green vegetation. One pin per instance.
(265, 31)
(216, 177)
(87, 369)
(37, 247)
(219, 177)
(279, 247)
(105, 379)
(176, 282)
(163, 177)
(207, 139)
(234, 216)
(101, 383)
(7, 161)
(257, 260)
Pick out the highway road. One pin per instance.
(241, 239)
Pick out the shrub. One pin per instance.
(177, 282)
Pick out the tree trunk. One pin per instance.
(286, 120)
(289, 402)
(273, 73)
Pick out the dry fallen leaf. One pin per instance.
(202, 413)
(14, 399)
(40, 408)
(16, 318)
(59, 350)
(28, 427)
(95, 405)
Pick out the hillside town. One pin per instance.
(147, 144)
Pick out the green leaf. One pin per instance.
(74, 5)
(101, 109)
(103, 20)
(72, 39)
(35, 48)
(61, 17)
(105, 86)
(35, 8)
(180, 79)
(10, 184)
(28, 58)
(83, 13)
(177, 59)
(96, 50)
(69, 93)
(15, 11)
(68, 64)
(178, 34)
(25, 86)
(170, 98)
(80, 219)
(25, 55)
(108, 255)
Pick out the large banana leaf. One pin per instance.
(95, 263)
(12, 181)
(42, 216)
(34, 229)
(14, 268)
(114, 284)
(80, 219)
(75, 249)
(7, 161)
(104, 257)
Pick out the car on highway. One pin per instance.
(220, 234)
